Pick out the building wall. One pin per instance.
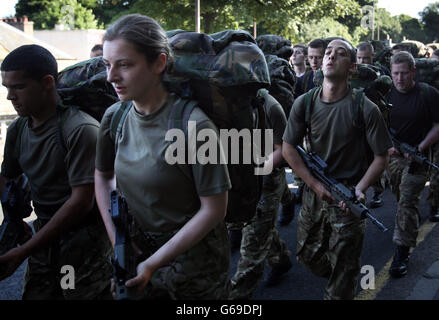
(77, 43)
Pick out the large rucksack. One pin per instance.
(427, 70)
(277, 51)
(222, 72)
(85, 86)
(375, 85)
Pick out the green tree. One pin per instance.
(282, 17)
(385, 25)
(412, 28)
(45, 14)
(324, 28)
(430, 21)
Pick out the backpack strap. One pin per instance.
(309, 100)
(357, 109)
(118, 119)
(180, 113)
(21, 122)
(62, 117)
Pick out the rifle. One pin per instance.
(413, 152)
(340, 192)
(16, 206)
(124, 262)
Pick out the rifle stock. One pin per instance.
(338, 190)
(124, 266)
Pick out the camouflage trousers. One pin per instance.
(287, 196)
(329, 243)
(200, 273)
(433, 195)
(260, 239)
(407, 181)
(86, 249)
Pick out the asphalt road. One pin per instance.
(422, 282)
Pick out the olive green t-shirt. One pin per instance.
(334, 138)
(52, 172)
(162, 197)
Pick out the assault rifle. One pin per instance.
(16, 206)
(124, 263)
(412, 152)
(340, 192)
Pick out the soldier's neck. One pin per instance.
(334, 90)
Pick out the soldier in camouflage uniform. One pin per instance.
(329, 237)
(180, 207)
(68, 228)
(415, 120)
(260, 238)
(277, 51)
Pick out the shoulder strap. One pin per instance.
(309, 100)
(357, 107)
(118, 119)
(21, 122)
(62, 117)
(180, 113)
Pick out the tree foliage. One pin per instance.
(430, 20)
(297, 20)
(45, 14)
(282, 17)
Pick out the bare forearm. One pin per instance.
(374, 172)
(209, 215)
(71, 213)
(274, 160)
(104, 183)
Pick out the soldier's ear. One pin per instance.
(48, 81)
(160, 63)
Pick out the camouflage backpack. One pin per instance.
(427, 70)
(375, 85)
(277, 51)
(222, 73)
(85, 86)
(275, 45)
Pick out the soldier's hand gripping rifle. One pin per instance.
(16, 206)
(124, 262)
(340, 192)
(413, 152)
